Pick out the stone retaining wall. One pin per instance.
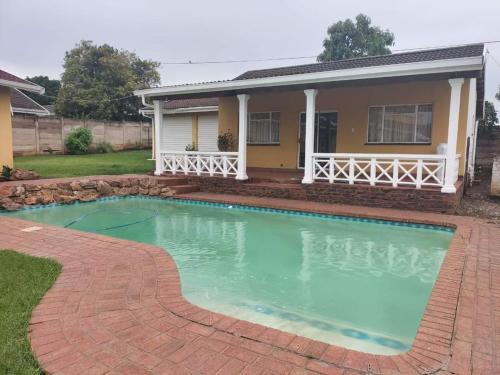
(13, 197)
(431, 200)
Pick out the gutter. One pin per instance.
(22, 86)
(27, 111)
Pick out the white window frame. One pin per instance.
(270, 113)
(414, 142)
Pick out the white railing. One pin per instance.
(390, 169)
(199, 162)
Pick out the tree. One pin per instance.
(490, 118)
(98, 82)
(346, 40)
(52, 87)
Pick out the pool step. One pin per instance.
(184, 189)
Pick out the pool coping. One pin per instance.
(431, 350)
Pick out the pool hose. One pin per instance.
(153, 215)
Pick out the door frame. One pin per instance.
(298, 131)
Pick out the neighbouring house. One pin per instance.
(22, 104)
(399, 127)
(8, 84)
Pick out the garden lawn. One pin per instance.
(23, 282)
(123, 162)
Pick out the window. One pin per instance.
(400, 124)
(263, 128)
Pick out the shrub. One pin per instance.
(225, 142)
(102, 148)
(191, 147)
(78, 141)
(6, 172)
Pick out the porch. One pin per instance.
(405, 120)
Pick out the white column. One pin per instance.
(471, 129)
(309, 141)
(158, 124)
(242, 137)
(451, 147)
(153, 144)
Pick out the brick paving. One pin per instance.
(117, 308)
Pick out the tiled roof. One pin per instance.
(191, 103)
(12, 78)
(21, 103)
(470, 50)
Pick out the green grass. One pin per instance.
(23, 282)
(87, 165)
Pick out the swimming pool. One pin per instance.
(358, 283)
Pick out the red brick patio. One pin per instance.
(117, 308)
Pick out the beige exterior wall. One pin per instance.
(5, 128)
(352, 104)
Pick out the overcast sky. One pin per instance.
(34, 35)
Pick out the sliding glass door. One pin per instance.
(325, 132)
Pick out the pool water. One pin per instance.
(355, 283)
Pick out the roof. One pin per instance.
(21, 103)
(187, 106)
(191, 103)
(460, 61)
(470, 50)
(12, 81)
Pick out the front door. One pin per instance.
(325, 134)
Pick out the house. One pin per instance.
(22, 104)
(8, 84)
(405, 120)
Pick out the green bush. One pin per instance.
(78, 141)
(102, 148)
(225, 142)
(6, 172)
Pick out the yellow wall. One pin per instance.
(5, 128)
(194, 129)
(352, 104)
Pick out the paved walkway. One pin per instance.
(117, 308)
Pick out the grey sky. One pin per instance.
(35, 34)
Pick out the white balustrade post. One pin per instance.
(309, 141)
(331, 170)
(242, 137)
(395, 172)
(352, 162)
(420, 169)
(174, 163)
(158, 122)
(198, 165)
(211, 165)
(186, 164)
(373, 171)
(451, 148)
(224, 165)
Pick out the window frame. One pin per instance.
(270, 113)
(414, 142)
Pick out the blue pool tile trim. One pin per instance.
(252, 208)
(326, 326)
